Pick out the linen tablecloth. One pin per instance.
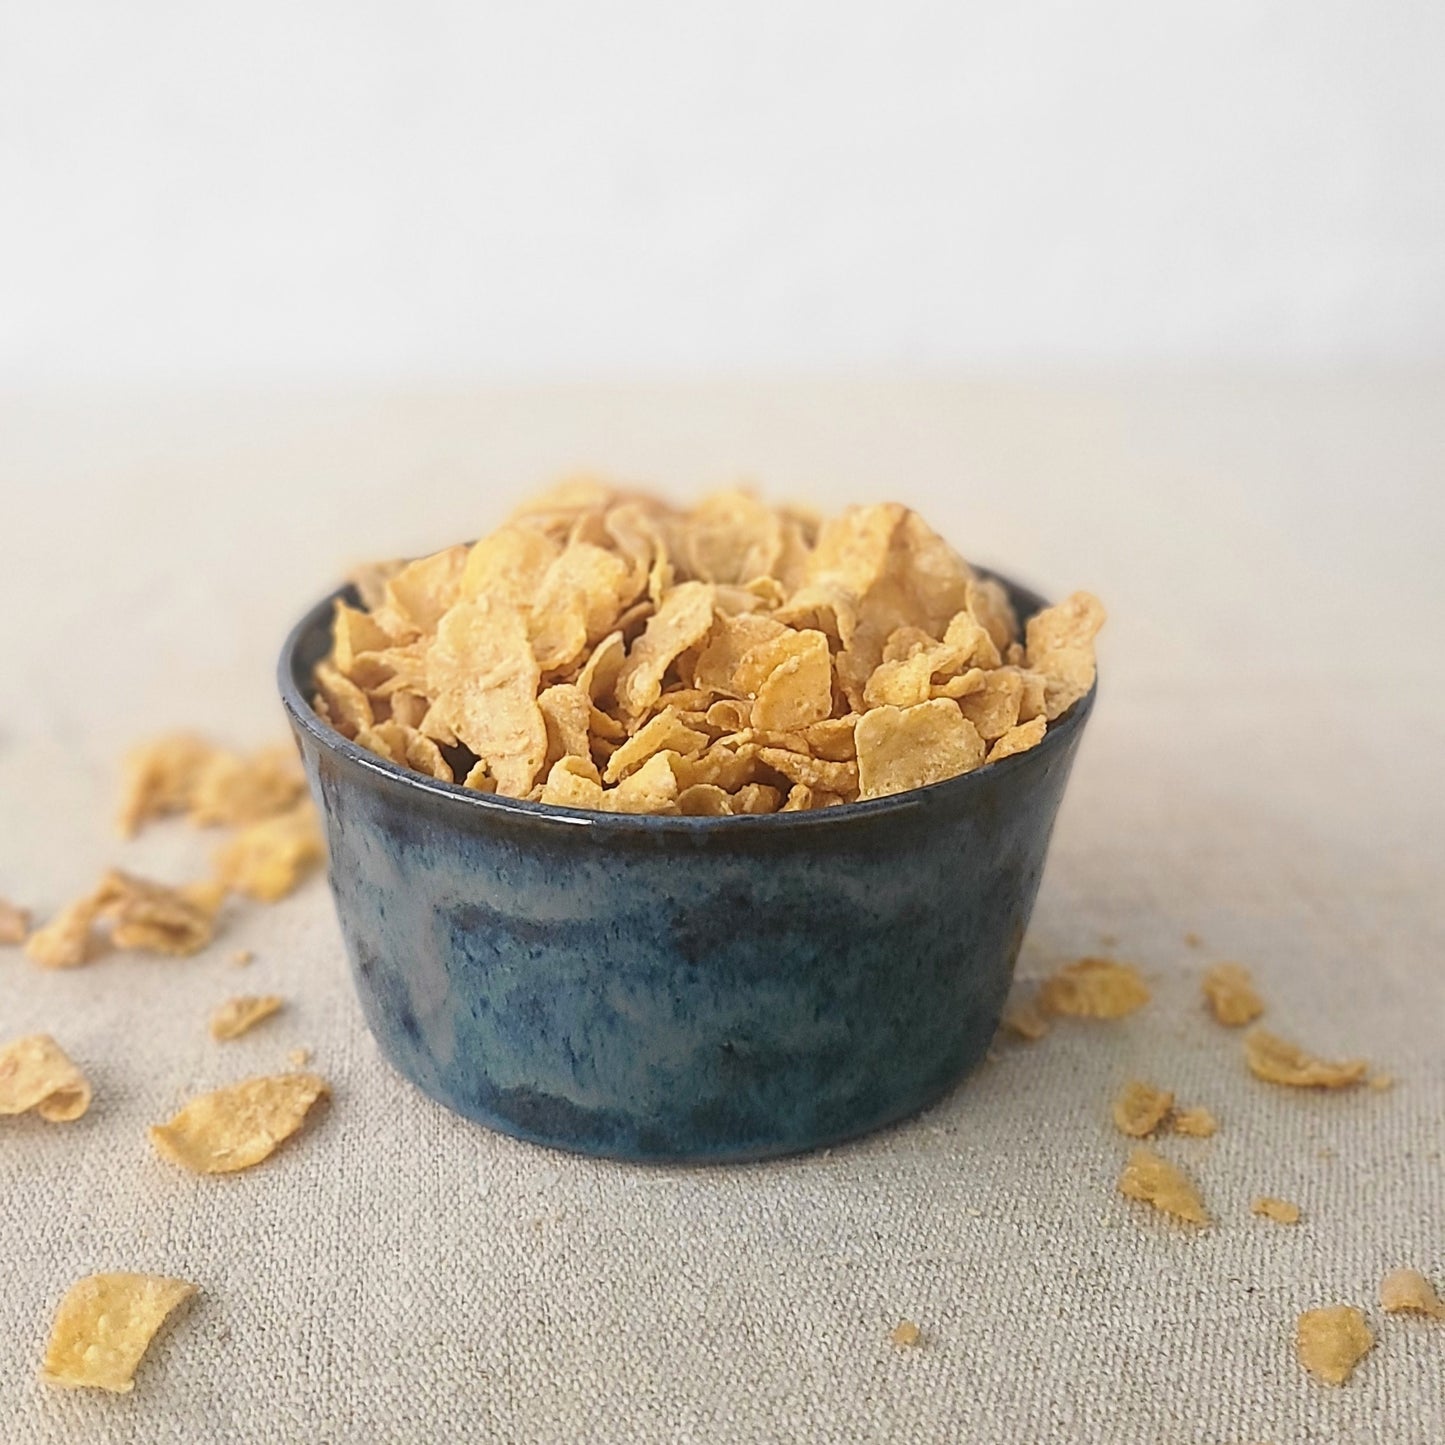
(1264, 770)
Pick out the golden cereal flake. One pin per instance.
(1024, 1020)
(1407, 1291)
(1018, 739)
(14, 924)
(486, 677)
(231, 789)
(69, 939)
(1154, 1180)
(241, 957)
(239, 1015)
(1277, 1061)
(1230, 993)
(238, 1126)
(35, 1073)
(103, 1327)
(270, 859)
(159, 777)
(906, 1334)
(681, 622)
(1139, 1108)
(1095, 988)
(1330, 1342)
(900, 749)
(1282, 1211)
(156, 918)
(1196, 1122)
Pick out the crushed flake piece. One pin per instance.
(1282, 1211)
(1231, 995)
(1279, 1062)
(1096, 988)
(1197, 1122)
(1140, 1108)
(1330, 1342)
(14, 924)
(1407, 1291)
(1025, 1020)
(239, 1015)
(906, 1334)
(271, 858)
(1154, 1180)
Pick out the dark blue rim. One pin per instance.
(304, 716)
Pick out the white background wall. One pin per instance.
(290, 189)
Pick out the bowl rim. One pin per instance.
(304, 717)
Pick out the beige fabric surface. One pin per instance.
(1264, 769)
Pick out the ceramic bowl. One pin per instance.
(679, 988)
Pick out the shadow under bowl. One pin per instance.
(677, 988)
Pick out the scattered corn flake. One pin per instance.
(241, 957)
(239, 1015)
(299, 1058)
(238, 1126)
(906, 1334)
(159, 777)
(1025, 1020)
(156, 918)
(14, 924)
(1154, 1180)
(1230, 993)
(270, 859)
(103, 1327)
(1139, 1109)
(35, 1073)
(1197, 1122)
(69, 939)
(900, 749)
(1330, 1342)
(1279, 1062)
(1095, 988)
(1018, 739)
(1282, 1211)
(1407, 1291)
(1381, 1082)
(231, 789)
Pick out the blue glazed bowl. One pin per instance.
(674, 987)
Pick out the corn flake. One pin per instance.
(69, 939)
(1277, 1061)
(103, 1327)
(159, 778)
(1282, 1211)
(270, 859)
(1197, 1122)
(1408, 1291)
(1018, 739)
(237, 1127)
(239, 1015)
(1139, 1109)
(14, 924)
(904, 748)
(1230, 993)
(1330, 1342)
(156, 918)
(1153, 1180)
(231, 790)
(36, 1074)
(1095, 988)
